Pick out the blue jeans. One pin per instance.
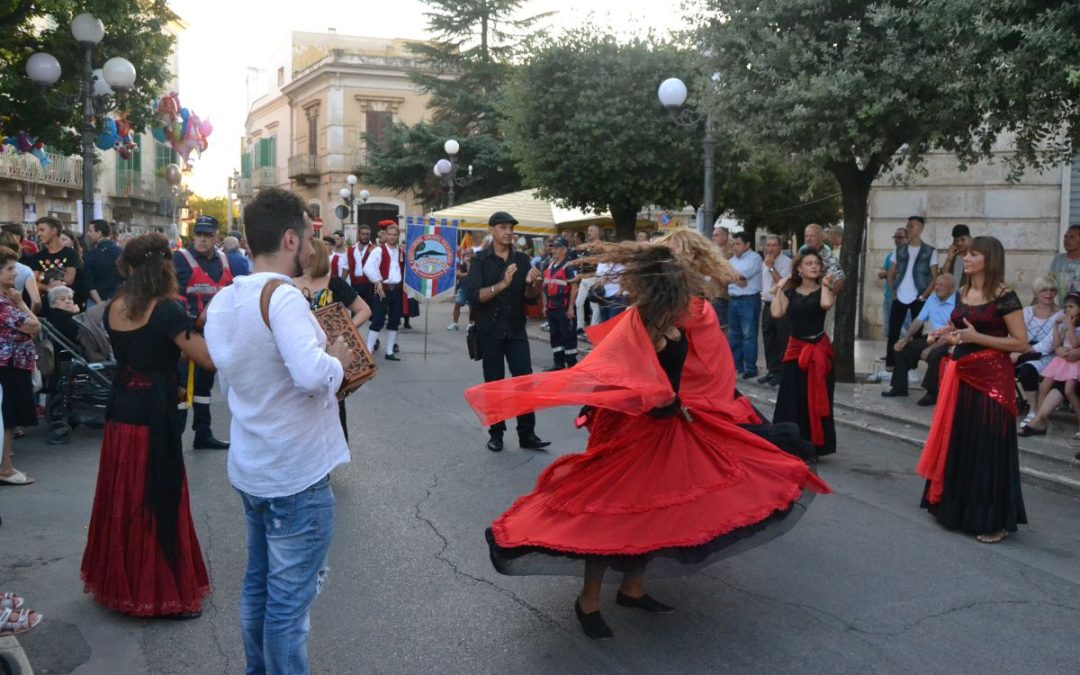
(613, 307)
(744, 312)
(288, 538)
(720, 305)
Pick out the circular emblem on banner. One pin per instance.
(665, 218)
(429, 256)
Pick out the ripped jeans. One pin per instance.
(288, 540)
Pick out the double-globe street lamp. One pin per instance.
(98, 93)
(672, 93)
(447, 170)
(349, 196)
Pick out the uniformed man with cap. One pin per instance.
(201, 271)
(560, 291)
(500, 282)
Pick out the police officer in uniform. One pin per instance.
(500, 282)
(560, 293)
(201, 271)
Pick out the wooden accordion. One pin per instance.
(335, 321)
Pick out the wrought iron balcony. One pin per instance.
(243, 188)
(60, 170)
(264, 177)
(303, 167)
(359, 160)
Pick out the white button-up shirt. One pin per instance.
(281, 387)
(374, 263)
(749, 265)
(782, 265)
(342, 263)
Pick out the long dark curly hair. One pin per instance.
(659, 282)
(146, 265)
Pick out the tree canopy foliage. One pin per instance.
(134, 29)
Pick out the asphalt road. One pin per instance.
(866, 582)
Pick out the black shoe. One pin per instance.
(495, 443)
(397, 348)
(926, 400)
(593, 624)
(376, 347)
(532, 442)
(210, 443)
(749, 376)
(183, 616)
(1031, 431)
(1077, 455)
(391, 357)
(644, 602)
(894, 393)
(767, 379)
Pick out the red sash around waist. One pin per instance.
(987, 371)
(816, 360)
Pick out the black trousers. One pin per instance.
(200, 407)
(387, 310)
(908, 359)
(367, 294)
(897, 314)
(563, 337)
(774, 336)
(498, 354)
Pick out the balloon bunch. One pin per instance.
(24, 143)
(184, 130)
(117, 136)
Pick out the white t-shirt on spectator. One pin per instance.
(906, 291)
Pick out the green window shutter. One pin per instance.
(245, 165)
(264, 152)
(136, 157)
(273, 151)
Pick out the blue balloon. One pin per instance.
(185, 115)
(107, 138)
(159, 134)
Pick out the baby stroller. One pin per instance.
(77, 392)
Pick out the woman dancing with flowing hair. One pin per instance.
(142, 555)
(971, 461)
(669, 481)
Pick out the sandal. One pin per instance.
(993, 538)
(17, 478)
(10, 601)
(22, 624)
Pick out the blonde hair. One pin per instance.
(704, 258)
(320, 262)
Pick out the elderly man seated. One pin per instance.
(914, 345)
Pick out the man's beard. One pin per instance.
(298, 269)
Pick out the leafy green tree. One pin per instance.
(465, 69)
(218, 207)
(860, 88)
(134, 29)
(584, 125)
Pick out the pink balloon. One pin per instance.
(206, 128)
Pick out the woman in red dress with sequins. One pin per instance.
(971, 460)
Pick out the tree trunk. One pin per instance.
(855, 194)
(625, 217)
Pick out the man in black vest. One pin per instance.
(500, 283)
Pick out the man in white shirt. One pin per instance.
(774, 332)
(744, 305)
(615, 302)
(280, 377)
(912, 278)
(384, 270)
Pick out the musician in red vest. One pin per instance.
(358, 257)
(384, 270)
(560, 293)
(201, 271)
(340, 257)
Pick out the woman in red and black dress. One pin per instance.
(142, 555)
(971, 460)
(806, 381)
(669, 481)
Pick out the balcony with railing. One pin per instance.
(134, 185)
(264, 177)
(243, 187)
(302, 167)
(59, 170)
(359, 160)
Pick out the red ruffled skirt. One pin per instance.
(123, 565)
(648, 490)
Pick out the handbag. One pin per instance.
(472, 341)
(414, 308)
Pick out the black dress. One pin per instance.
(337, 290)
(807, 324)
(982, 469)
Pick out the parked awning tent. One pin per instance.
(535, 216)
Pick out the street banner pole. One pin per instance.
(432, 261)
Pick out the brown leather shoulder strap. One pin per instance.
(264, 300)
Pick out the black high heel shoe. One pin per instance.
(644, 602)
(593, 624)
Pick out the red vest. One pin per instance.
(557, 286)
(201, 288)
(384, 263)
(356, 271)
(335, 266)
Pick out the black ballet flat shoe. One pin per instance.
(644, 602)
(183, 616)
(532, 442)
(593, 624)
(210, 443)
(927, 400)
(1031, 431)
(892, 393)
(495, 443)
(391, 357)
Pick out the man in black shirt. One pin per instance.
(500, 283)
(53, 254)
(102, 276)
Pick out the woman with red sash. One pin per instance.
(669, 480)
(806, 382)
(970, 460)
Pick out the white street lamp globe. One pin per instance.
(364, 195)
(672, 92)
(43, 69)
(101, 87)
(452, 147)
(344, 192)
(443, 167)
(87, 29)
(351, 180)
(119, 73)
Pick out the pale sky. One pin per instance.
(225, 37)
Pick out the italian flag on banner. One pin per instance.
(430, 256)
